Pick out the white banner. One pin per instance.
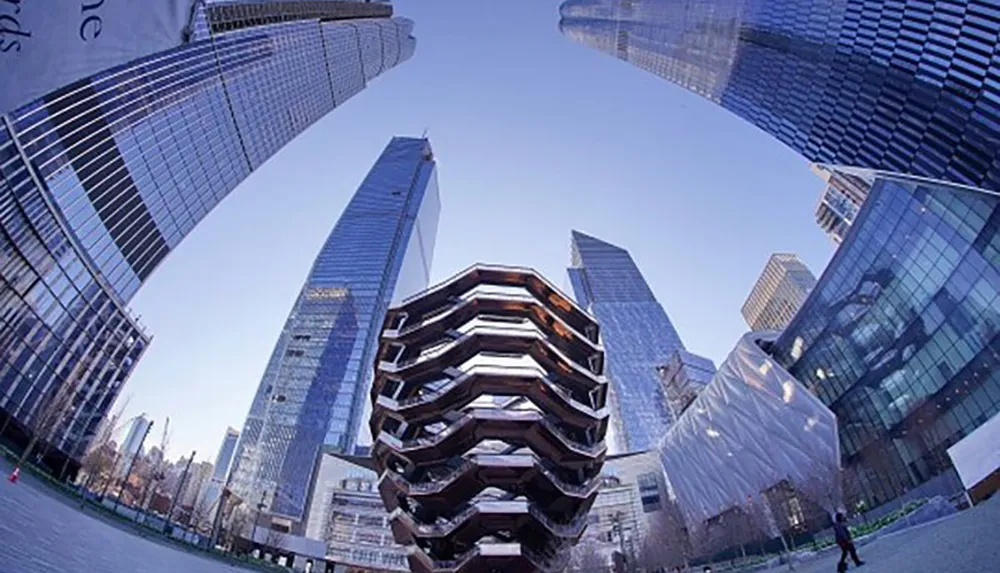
(46, 44)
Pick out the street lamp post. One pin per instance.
(177, 492)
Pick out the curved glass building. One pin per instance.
(102, 178)
(908, 87)
(311, 398)
(901, 336)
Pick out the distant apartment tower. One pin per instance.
(220, 474)
(779, 292)
(131, 446)
(311, 398)
(841, 200)
(108, 159)
(199, 476)
(683, 379)
(637, 334)
(137, 431)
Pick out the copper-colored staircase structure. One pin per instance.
(489, 420)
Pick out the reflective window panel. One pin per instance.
(638, 338)
(900, 336)
(909, 87)
(314, 390)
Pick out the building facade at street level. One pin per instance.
(905, 87)
(783, 286)
(683, 378)
(220, 474)
(489, 416)
(901, 337)
(841, 200)
(632, 496)
(637, 334)
(348, 515)
(198, 478)
(311, 397)
(102, 178)
(612, 524)
(756, 444)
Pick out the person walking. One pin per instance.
(843, 538)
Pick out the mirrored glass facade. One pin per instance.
(683, 378)
(64, 336)
(312, 395)
(908, 87)
(901, 336)
(637, 334)
(105, 176)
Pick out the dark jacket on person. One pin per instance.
(841, 534)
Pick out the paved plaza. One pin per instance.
(968, 542)
(41, 532)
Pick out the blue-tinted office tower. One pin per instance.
(637, 334)
(314, 390)
(908, 87)
(220, 472)
(102, 178)
(901, 335)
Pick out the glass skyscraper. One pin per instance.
(220, 472)
(907, 87)
(901, 335)
(313, 393)
(102, 178)
(638, 338)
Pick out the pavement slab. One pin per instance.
(43, 532)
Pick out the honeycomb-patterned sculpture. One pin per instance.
(489, 420)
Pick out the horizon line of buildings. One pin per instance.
(878, 367)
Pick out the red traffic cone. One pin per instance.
(14, 475)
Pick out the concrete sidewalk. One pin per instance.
(41, 533)
(966, 543)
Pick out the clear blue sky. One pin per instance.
(535, 135)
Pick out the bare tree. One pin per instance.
(199, 512)
(702, 544)
(237, 524)
(99, 461)
(275, 539)
(853, 490)
(587, 559)
(666, 544)
(822, 486)
(51, 411)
